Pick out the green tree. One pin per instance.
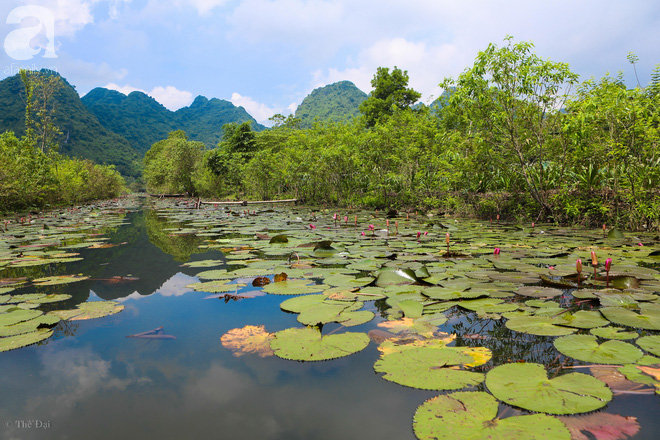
(172, 165)
(509, 106)
(40, 108)
(390, 94)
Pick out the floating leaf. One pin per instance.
(279, 239)
(89, 310)
(307, 344)
(428, 369)
(16, 315)
(249, 339)
(28, 326)
(537, 325)
(59, 279)
(581, 319)
(527, 386)
(539, 292)
(294, 287)
(472, 415)
(650, 344)
(613, 333)
(397, 277)
(585, 348)
(649, 319)
(19, 341)
(601, 426)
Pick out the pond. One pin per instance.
(143, 318)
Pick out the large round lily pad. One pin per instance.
(23, 340)
(585, 348)
(649, 319)
(307, 344)
(527, 386)
(89, 310)
(428, 369)
(650, 344)
(537, 325)
(539, 292)
(472, 415)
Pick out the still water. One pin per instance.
(90, 381)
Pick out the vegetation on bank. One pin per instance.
(32, 172)
(514, 135)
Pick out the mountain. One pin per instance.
(143, 121)
(335, 102)
(82, 134)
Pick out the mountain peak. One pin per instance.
(334, 102)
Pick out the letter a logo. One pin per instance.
(36, 23)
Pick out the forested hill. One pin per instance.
(143, 121)
(82, 134)
(335, 102)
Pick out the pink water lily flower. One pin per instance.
(496, 251)
(311, 226)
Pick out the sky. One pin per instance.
(268, 55)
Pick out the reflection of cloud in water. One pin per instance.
(74, 375)
(175, 286)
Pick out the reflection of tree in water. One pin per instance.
(64, 328)
(506, 345)
(180, 246)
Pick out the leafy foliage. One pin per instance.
(335, 102)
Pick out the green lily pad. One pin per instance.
(354, 318)
(649, 319)
(28, 326)
(16, 315)
(307, 344)
(613, 333)
(650, 344)
(59, 279)
(539, 292)
(581, 319)
(537, 325)
(89, 310)
(428, 369)
(585, 348)
(23, 340)
(397, 277)
(473, 415)
(527, 386)
(294, 287)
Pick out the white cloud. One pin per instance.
(171, 97)
(70, 15)
(260, 112)
(126, 90)
(427, 65)
(204, 6)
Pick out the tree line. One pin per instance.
(514, 135)
(33, 174)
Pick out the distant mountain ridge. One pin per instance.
(144, 121)
(82, 134)
(335, 102)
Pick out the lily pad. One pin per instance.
(473, 415)
(649, 319)
(613, 333)
(585, 348)
(249, 339)
(428, 369)
(89, 310)
(294, 287)
(23, 340)
(581, 319)
(527, 386)
(650, 344)
(537, 325)
(307, 344)
(539, 292)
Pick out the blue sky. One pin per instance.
(267, 55)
